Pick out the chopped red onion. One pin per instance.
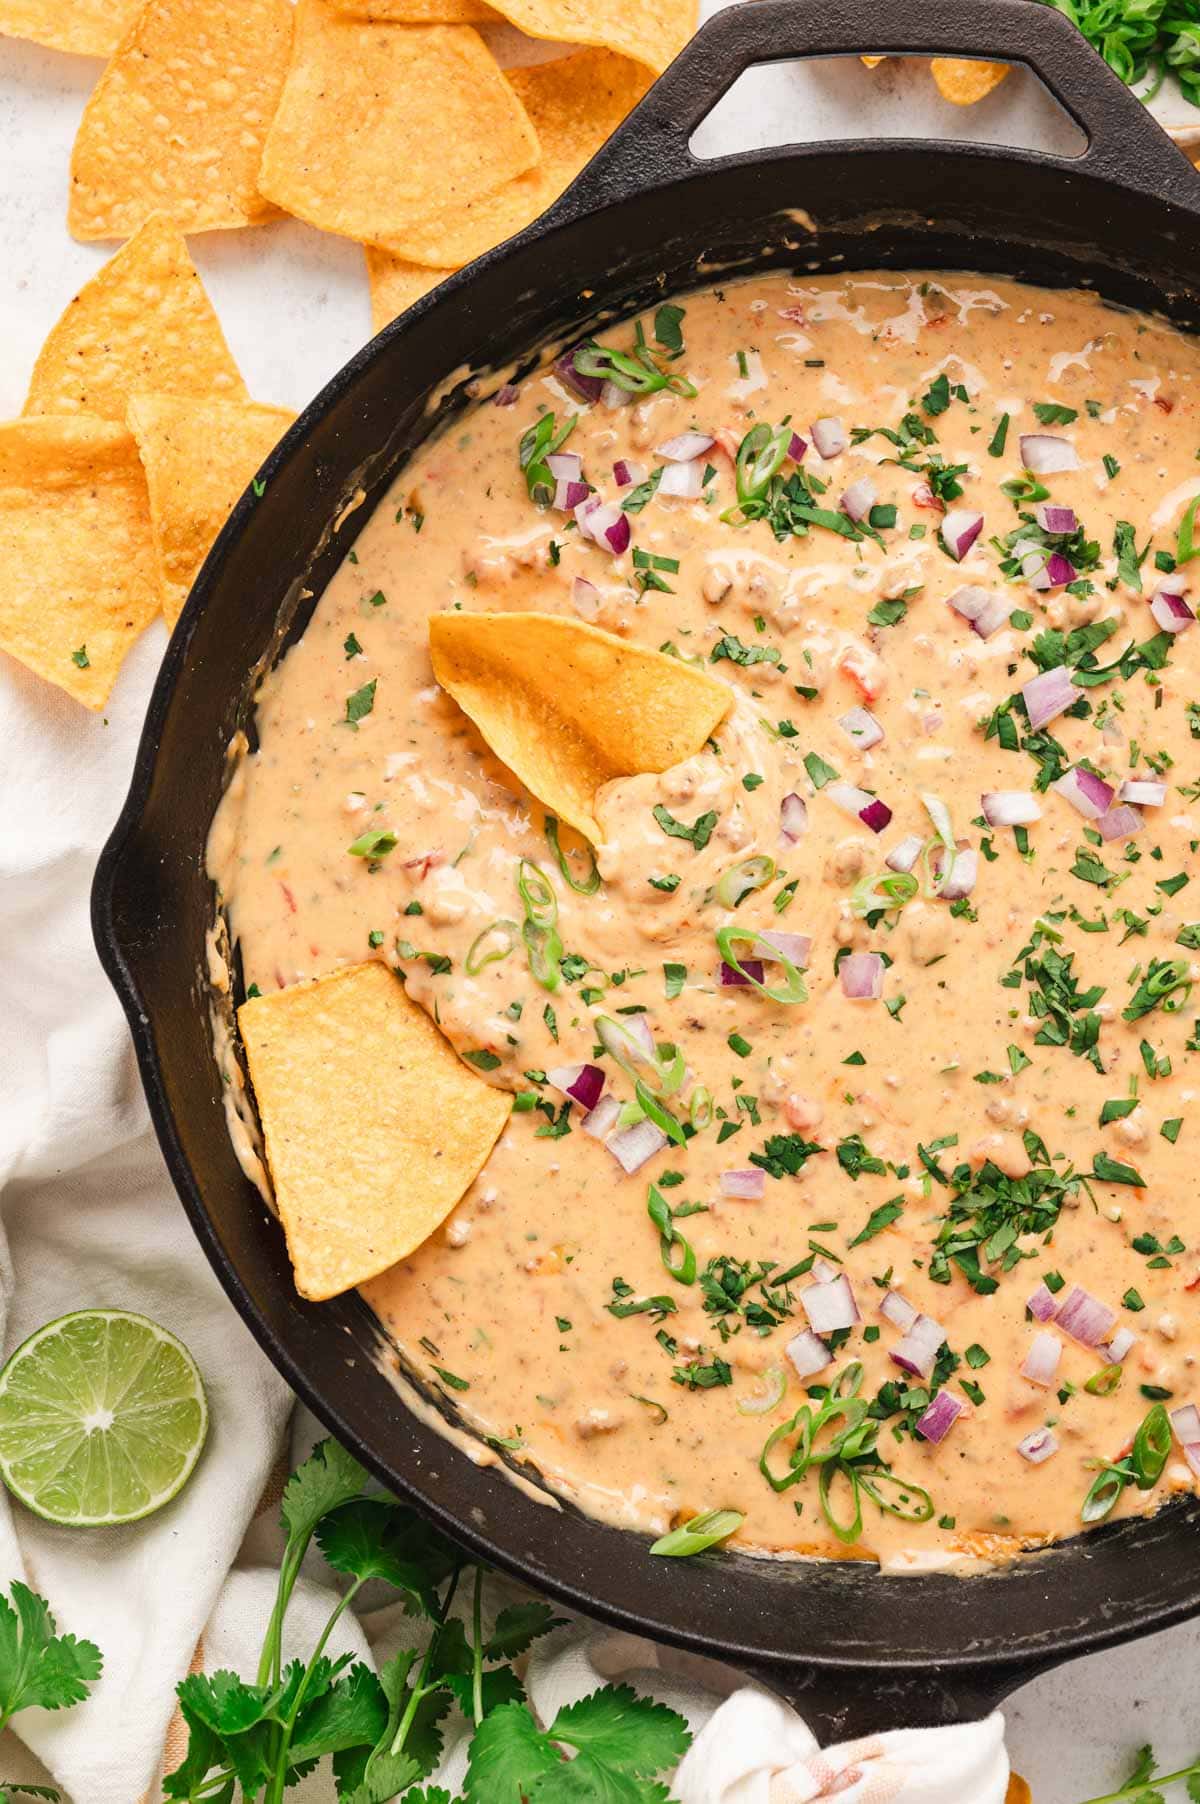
(918, 1351)
(568, 494)
(684, 481)
(632, 1146)
(1059, 571)
(734, 977)
(1033, 560)
(1171, 612)
(1191, 1454)
(824, 1271)
(615, 1037)
(1055, 519)
(860, 498)
(829, 436)
(612, 395)
(960, 529)
(808, 1353)
(904, 856)
(1041, 1361)
(861, 804)
(1010, 807)
(962, 876)
(685, 446)
(1048, 695)
(861, 975)
(744, 1186)
(585, 598)
(1121, 822)
(1085, 1318)
(986, 611)
(604, 523)
(625, 473)
(1087, 793)
(1144, 793)
(793, 818)
(937, 1421)
(588, 388)
(506, 396)
(602, 1119)
(897, 1310)
(797, 446)
(1040, 1445)
(1046, 455)
(565, 466)
(794, 946)
(1186, 1422)
(830, 1307)
(1042, 1305)
(1116, 1348)
(861, 727)
(582, 1083)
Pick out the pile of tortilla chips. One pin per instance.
(137, 439)
(387, 121)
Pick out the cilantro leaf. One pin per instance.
(328, 1478)
(517, 1627)
(350, 1713)
(372, 1538)
(629, 1733)
(508, 1754)
(38, 1666)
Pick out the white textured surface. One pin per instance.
(294, 306)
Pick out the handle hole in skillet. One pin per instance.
(818, 99)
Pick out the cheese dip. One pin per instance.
(851, 1180)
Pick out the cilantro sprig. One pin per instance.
(382, 1732)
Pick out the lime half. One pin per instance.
(102, 1418)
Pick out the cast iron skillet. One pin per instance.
(854, 1649)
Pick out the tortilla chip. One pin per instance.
(651, 31)
(568, 707)
(77, 575)
(198, 456)
(396, 284)
(964, 81)
(143, 322)
(421, 12)
(178, 120)
(575, 105)
(87, 27)
(363, 1172)
(1018, 1790)
(380, 125)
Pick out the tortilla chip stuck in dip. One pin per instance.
(363, 1172)
(568, 707)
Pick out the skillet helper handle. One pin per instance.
(650, 150)
(847, 1704)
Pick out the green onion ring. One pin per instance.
(795, 990)
(699, 1534)
(473, 965)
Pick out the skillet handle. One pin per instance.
(844, 1704)
(650, 150)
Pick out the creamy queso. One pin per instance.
(938, 1139)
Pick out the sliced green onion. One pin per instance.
(760, 457)
(1105, 1382)
(912, 1503)
(1151, 1447)
(800, 1424)
(700, 1108)
(591, 882)
(769, 1398)
(538, 443)
(659, 1211)
(634, 371)
(887, 889)
(1105, 1493)
(700, 1533)
(543, 943)
(506, 939)
(850, 1530)
(662, 1118)
(650, 1403)
(742, 879)
(795, 989)
(939, 814)
(666, 1063)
